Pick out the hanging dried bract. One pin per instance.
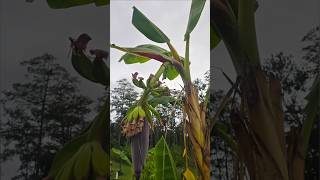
(132, 128)
(133, 122)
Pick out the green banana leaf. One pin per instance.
(143, 53)
(154, 101)
(147, 28)
(194, 16)
(121, 155)
(83, 153)
(61, 4)
(164, 163)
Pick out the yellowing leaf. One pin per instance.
(184, 152)
(188, 175)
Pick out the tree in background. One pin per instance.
(41, 113)
(122, 98)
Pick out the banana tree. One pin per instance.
(139, 118)
(175, 65)
(259, 121)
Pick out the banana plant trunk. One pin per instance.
(197, 130)
(139, 149)
(259, 130)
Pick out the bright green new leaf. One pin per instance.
(132, 59)
(195, 13)
(164, 164)
(170, 72)
(147, 28)
(121, 155)
(61, 4)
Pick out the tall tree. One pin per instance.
(42, 112)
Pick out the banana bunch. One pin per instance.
(133, 121)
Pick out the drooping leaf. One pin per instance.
(144, 53)
(66, 153)
(195, 13)
(82, 64)
(147, 28)
(121, 155)
(164, 163)
(61, 4)
(101, 72)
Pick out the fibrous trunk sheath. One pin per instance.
(139, 148)
(198, 131)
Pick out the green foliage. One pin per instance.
(164, 164)
(154, 101)
(195, 13)
(84, 153)
(121, 155)
(129, 58)
(95, 71)
(147, 28)
(170, 72)
(65, 154)
(62, 4)
(82, 64)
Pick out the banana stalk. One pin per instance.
(198, 132)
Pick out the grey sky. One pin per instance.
(280, 27)
(31, 29)
(28, 30)
(172, 18)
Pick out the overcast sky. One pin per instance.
(31, 29)
(28, 30)
(172, 18)
(280, 26)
